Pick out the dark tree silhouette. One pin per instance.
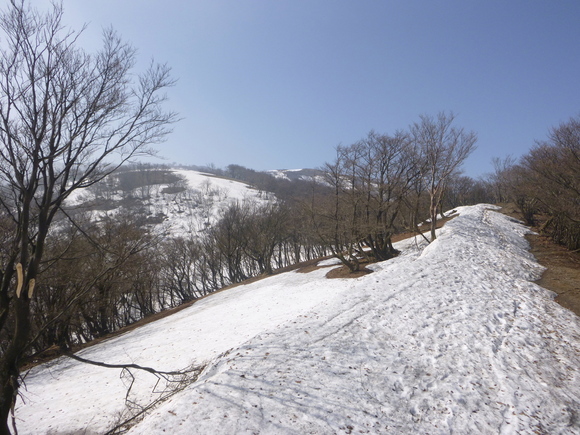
(67, 119)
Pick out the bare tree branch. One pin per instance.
(67, 120)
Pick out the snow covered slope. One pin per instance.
(298, 174)
(205, 197)
(447, 338)
(191, 201)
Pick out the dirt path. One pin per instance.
(562, 275)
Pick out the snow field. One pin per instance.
(446, 338)
(189, 211)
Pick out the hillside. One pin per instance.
(450, 337)
(176, 201)
(298, 174)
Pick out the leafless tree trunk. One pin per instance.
(389, 169)
(334, 216)
(67, 119)
(443, 149)
(370, 180)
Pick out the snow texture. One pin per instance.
(453, 337)
(189, 211)
(214, 195)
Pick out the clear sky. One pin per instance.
(277, 84)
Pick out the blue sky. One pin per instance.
(276, 84)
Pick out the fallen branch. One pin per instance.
(176, 380)
(130, 366)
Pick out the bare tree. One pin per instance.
(229, 239)
(500, 176)
(387, 170)
(553, 179)
(370, 180)
(463, 190)
(443, 148)
(266, 229)
(67, 119)
(334, 218)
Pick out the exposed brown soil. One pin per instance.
(344, 272)
(562, 274)
(563, 271)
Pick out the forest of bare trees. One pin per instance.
(545, 183)
(70, 120)
(100, 275)
(108, 273)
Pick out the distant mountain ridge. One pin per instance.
(297, 174)
(181, 201)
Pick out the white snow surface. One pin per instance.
(235, 190)
(281, 173)
(216, 194)
(192, 210)
(452, 337)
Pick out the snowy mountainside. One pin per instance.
(453, 337)
(298, 174)
(177, 201)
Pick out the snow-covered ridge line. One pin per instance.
(450, 337)
(298, 174)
